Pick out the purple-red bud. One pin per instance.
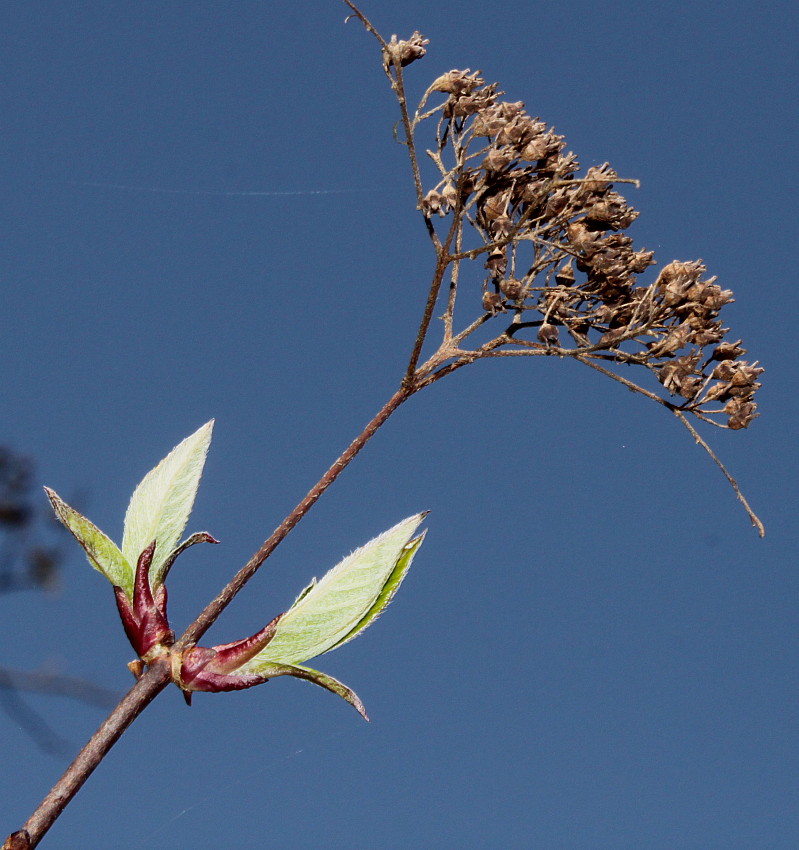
(144, 621)
(201, 668)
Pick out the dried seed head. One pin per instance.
(728, 351)
(610, 212)
(468, 104)
(565, 273)
(404, 52)
(457, 82)
(679, 376)
(740, 413)
(612, 337)
(548, 334)
(510, 287)
(492, 302)
(497, 261)
(433, 202)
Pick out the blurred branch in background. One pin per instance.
(14, 682)
(29, 560)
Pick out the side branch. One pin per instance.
(699, 441)
(392, 58)
(442, 261)
(367, 25)
(761, 530)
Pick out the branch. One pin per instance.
(209, 615)
(681, 416)
(154, 680)
(733, 483)
(442, 261)
(357, 13)
(12, 682)
(56, 684)
(29, 720)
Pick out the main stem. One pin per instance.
(155, 679)
(157, 675)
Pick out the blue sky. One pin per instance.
(593, 648)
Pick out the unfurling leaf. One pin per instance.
(102, 553)
(345, 601)
(155, 519)
(325, 615)
(161, 504)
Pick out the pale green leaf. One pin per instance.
(102, 553)
(389, 589)
(161, 504)
(343, 602)
(304, 592)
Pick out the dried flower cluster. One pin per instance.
(557, 260)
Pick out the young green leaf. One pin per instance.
(102, 553)
(161, 504)
(387, 593)
(344, 602)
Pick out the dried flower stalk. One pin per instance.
(529, 248)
